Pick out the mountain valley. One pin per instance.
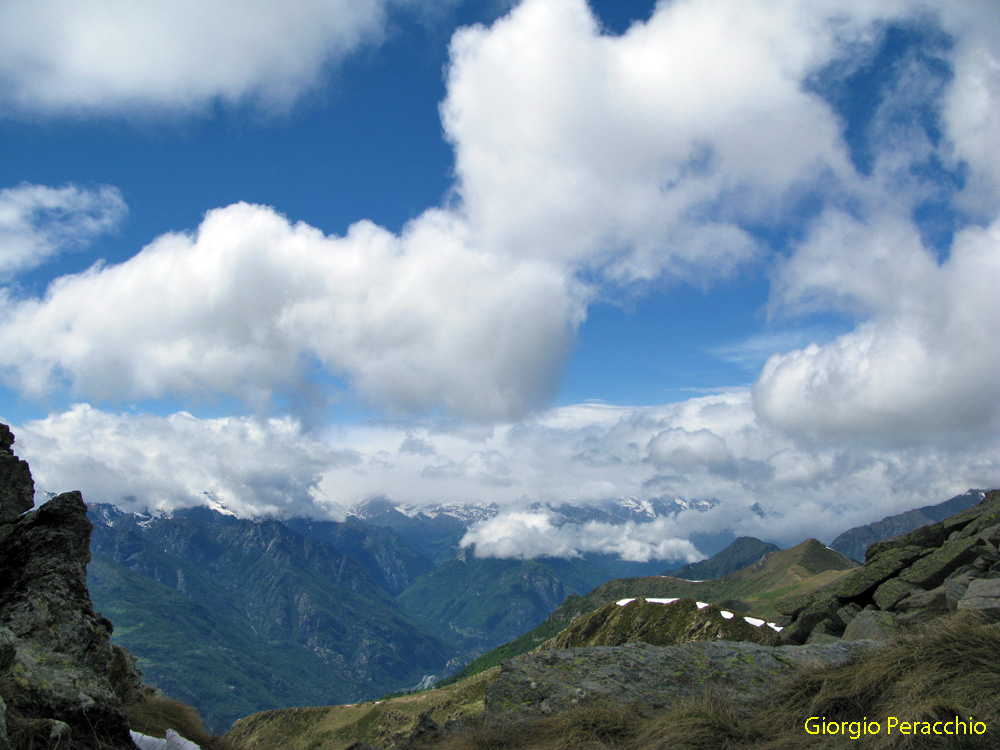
(273, 613)
(619, 650)
(385, 599)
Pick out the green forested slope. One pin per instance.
(237, 615)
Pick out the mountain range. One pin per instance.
(597, 653)
(231, 614)
(387, 599)
(234, 615)
(757, 589)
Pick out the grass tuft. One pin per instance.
(592, 725)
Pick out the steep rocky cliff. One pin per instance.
(55, 654)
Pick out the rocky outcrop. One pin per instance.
(55, 652)
(854, 542)
(534, 685)
(17, 489)
(937, 569)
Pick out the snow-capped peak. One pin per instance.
(216, 504)
(637, 506)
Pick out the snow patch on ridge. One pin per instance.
(756, 622)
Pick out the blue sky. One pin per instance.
(571, 251)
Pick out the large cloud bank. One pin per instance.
(587, 165)
(711, 446)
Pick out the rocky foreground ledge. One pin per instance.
(534, 685)
(56, 660)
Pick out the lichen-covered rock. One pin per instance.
(828, 631)
(930, 570)
(892, 591)
(54, 649)
(822, 611)
(956, 586)
(659, 676)
(126, 678)
(988, 516)
(983, 595)
(867, 579)
(6, 439)
(7, 652)
(872, 625)
(922, 607)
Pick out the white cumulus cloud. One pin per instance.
(970, 111)
(638, 154)
(143, 461)
(124, 55)
(413, 322)
(923, 365)
(38, 222)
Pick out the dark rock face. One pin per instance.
(937, 569)
(54, 649)
(17, 489)
(533, 685)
